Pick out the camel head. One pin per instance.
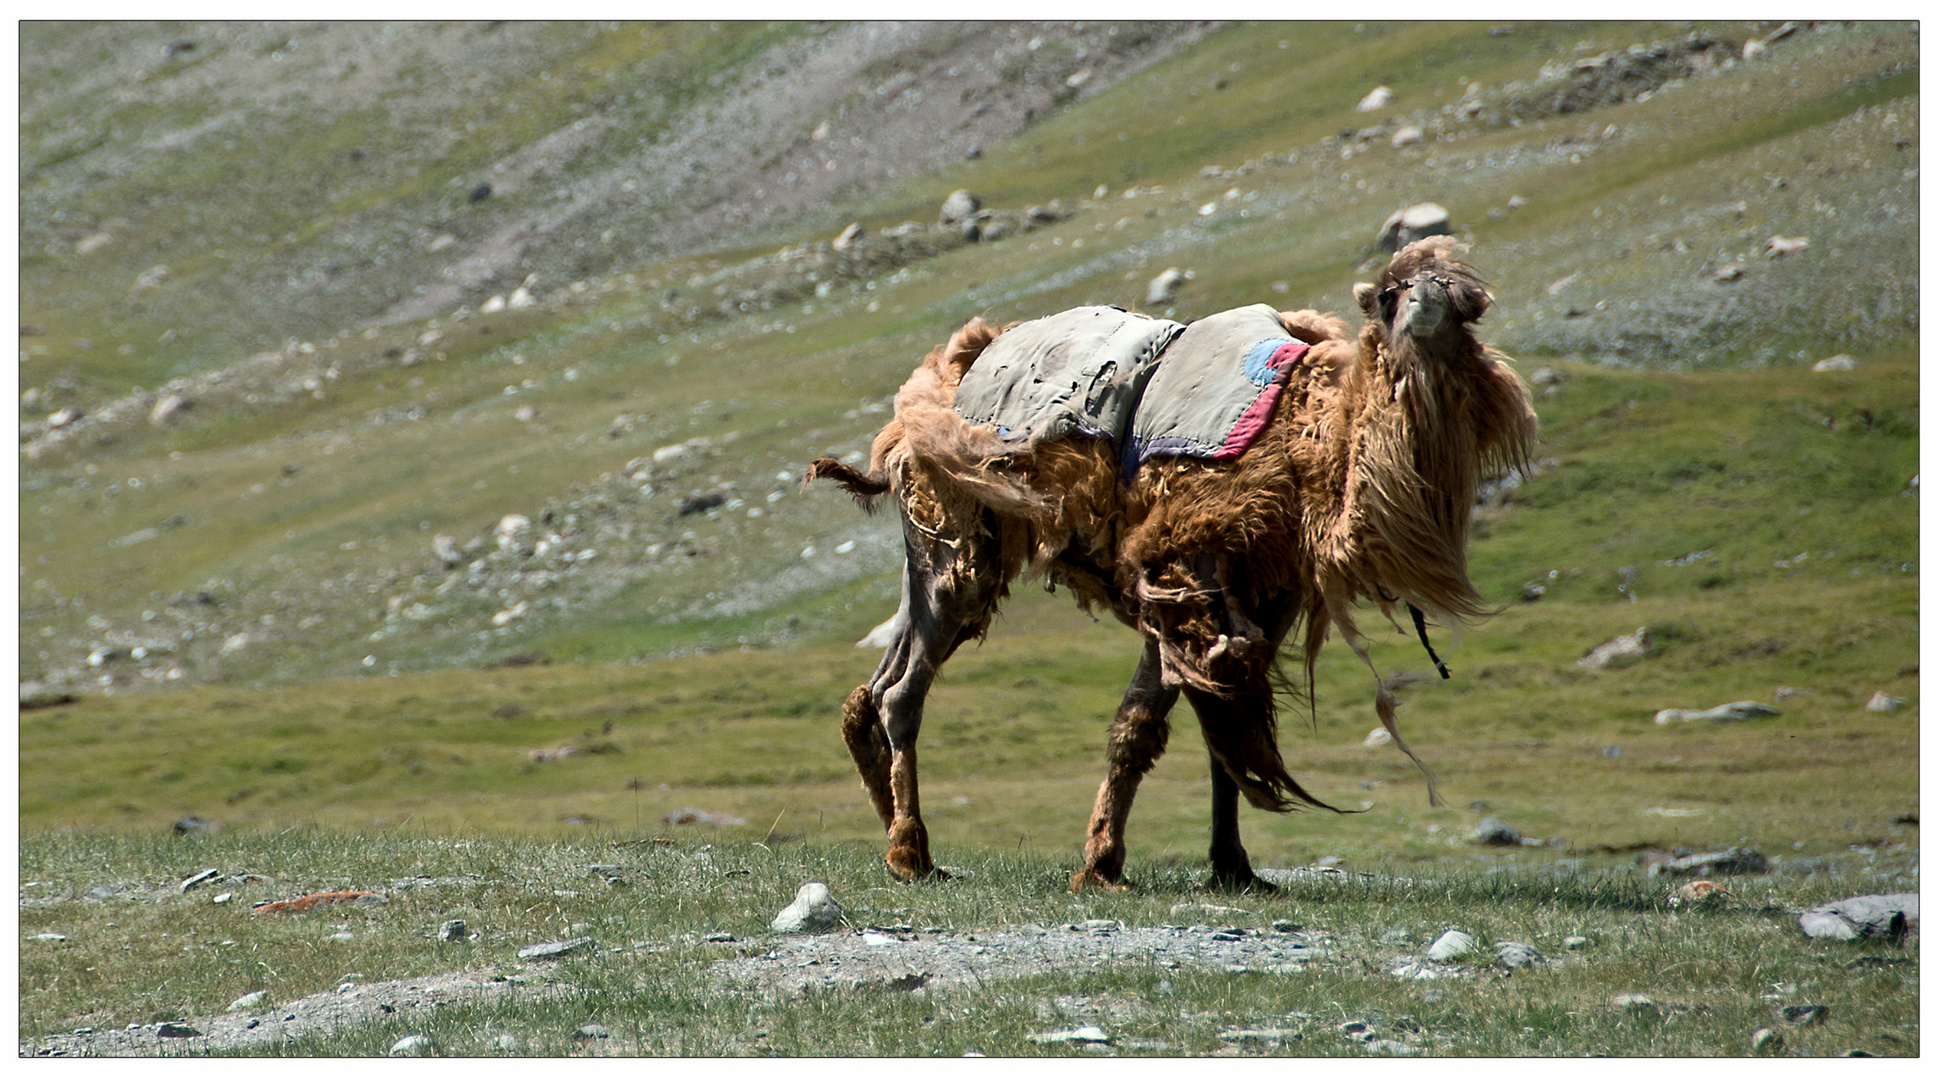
(1426, 293)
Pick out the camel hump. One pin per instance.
(1078, 371)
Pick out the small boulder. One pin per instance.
(39, 695)
(1639, 1002)
(1838, 362)
(1378, 737)
(548, 950)
(1805, 1014)
(452, 930)
(1408, 135)
(1768, 1042)
(1782, 246)
(880, 636)
(1161, 290)
(1626, 646)
(1375, 99)
(1513, 955)
(848, 238)
(248, 1001)
(813, 911)
(1411, 224)
(590, 1031)
(1736, 860)
(166, 408)
(411, 1046)
(447, 550)
(1577, 941)
(1719, 714)
(1494, 833)
(177, 1031)
(1090, 1033)
(1453, 944)
(1882, 702)
(1890, 915)
(958, 206)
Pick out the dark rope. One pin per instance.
(1423, 635)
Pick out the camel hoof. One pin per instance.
(1088, 879)
(1245, 882)
(908, 864)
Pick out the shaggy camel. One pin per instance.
(1359, 486)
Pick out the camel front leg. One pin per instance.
(1137, 739)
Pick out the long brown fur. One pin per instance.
(1360, 488)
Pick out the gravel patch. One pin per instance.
(317, 1014)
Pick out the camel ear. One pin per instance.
(1365, 294)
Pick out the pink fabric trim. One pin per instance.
(1254, 419)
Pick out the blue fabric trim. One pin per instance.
(1257, 366)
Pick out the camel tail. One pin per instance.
(864, 487)
(1241, 735)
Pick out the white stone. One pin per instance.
(1838, 362)
(1375, 99)
(1407, 136)
(1162, 288)
(411, 1046)
(1377, 737)
(1719, 714)
(1452, 944)
(248, 1001)
(1882, 702)
(813, 911)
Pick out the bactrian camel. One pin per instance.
(1358, 486)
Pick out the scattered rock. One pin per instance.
(1782, 246)
(1838, 362)
(1768, 1042)
(880, 636)
(1408, 135)
(452, 930)
(50, 936)
(1087, 1034)
(558, 753)
(177, 1031)
(1890, 915)
(1700, 894)
(39, 695)
(1728, 272)
(1737, 860)
(549, 950)
(688, 815)
(695, 504)
(958, 206)
(813, 911)
(1882, 702)
(1079, 78)
(248, 1001)
(411, 1046)
(103, 892)
(1411, 224)
(479, 194)
(222, 898)
(1805, 1014)
(1783, 693)
(1719, 714)
(1513, 955)
(193, 880)
(1494, 833)
(1377, 737)
(493, 305)
(517, 611)
(1375, 99)
(1634, 1001)
(166, 408)
(1392, 1048)
(848, 237)
(1453, 944)
(1267, 1036)
(1576, 941)
(1626, 646)
(447, 550)
(63, 418)
(590, 1031)
(1165, 284)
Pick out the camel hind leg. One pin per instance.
(1137, 739)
